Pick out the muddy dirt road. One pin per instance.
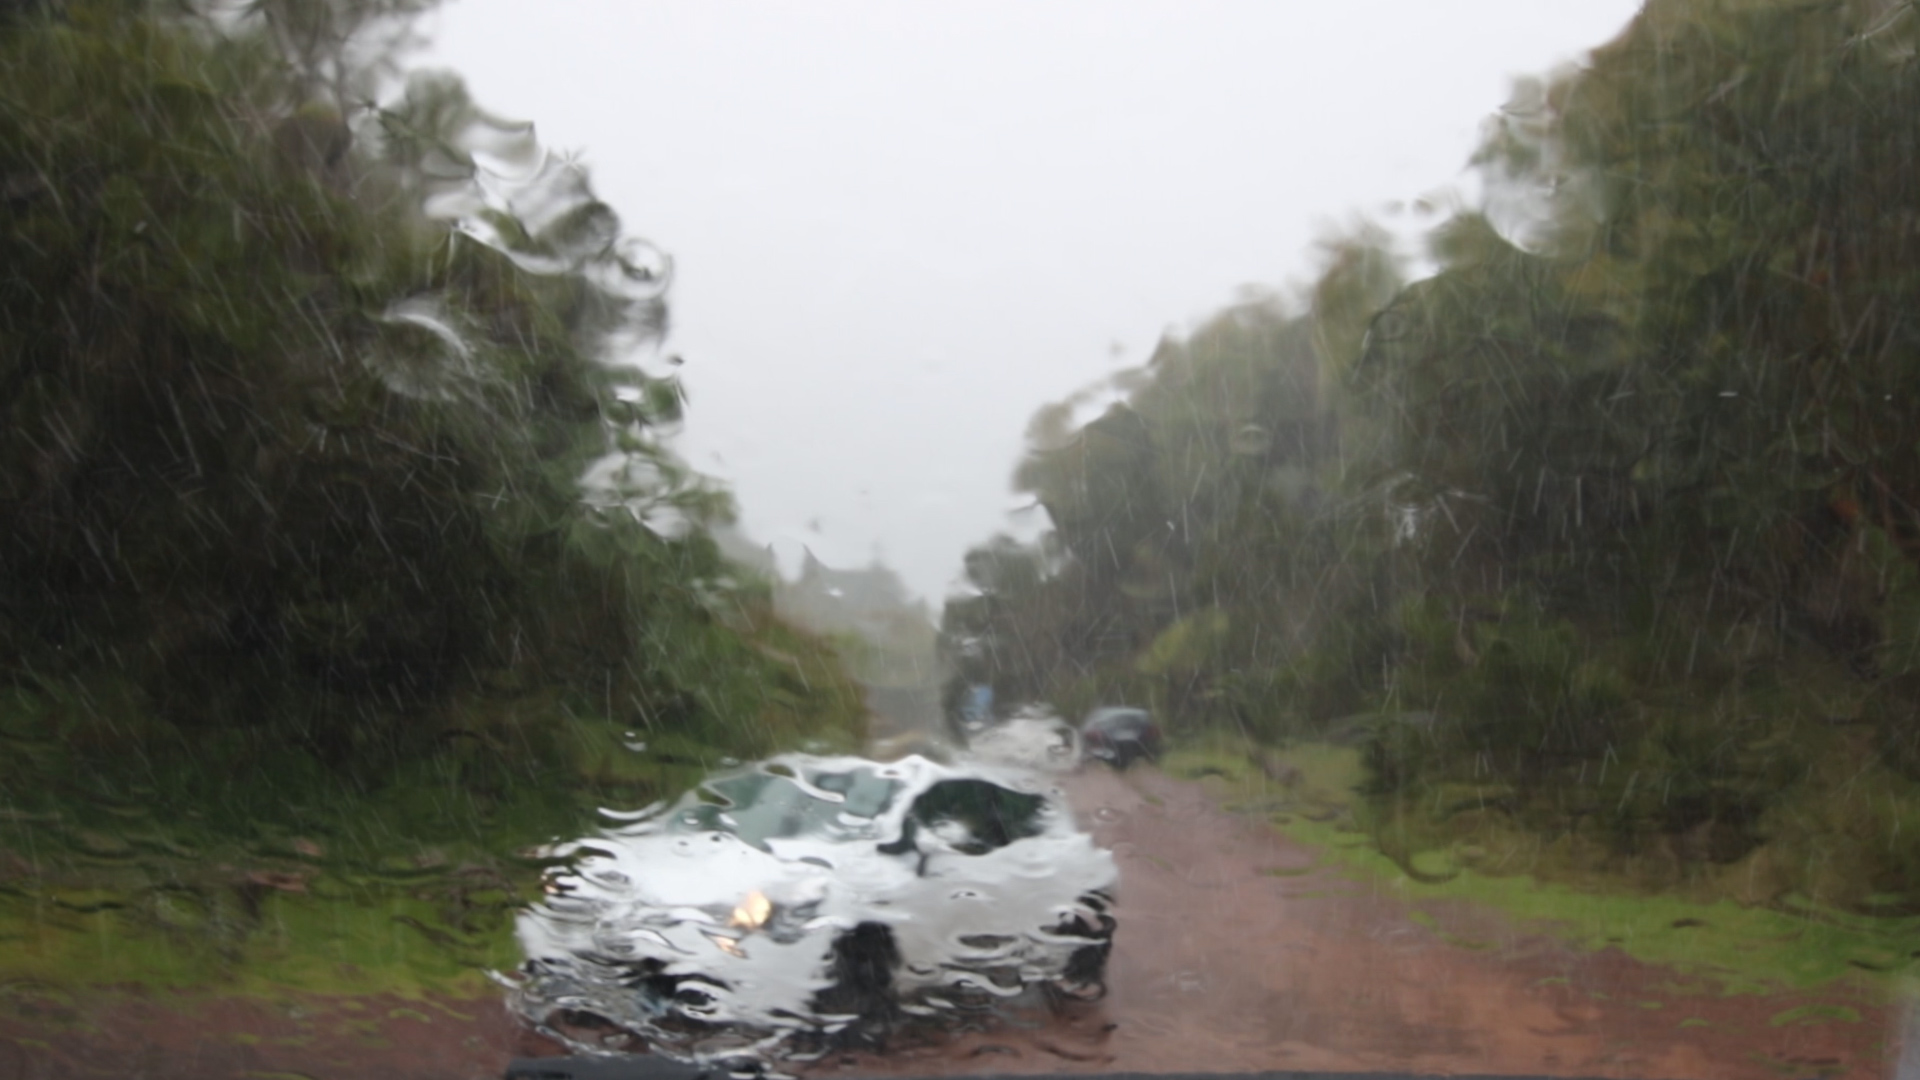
(1234, 953)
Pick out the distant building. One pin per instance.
(870, 601)
(893, 632)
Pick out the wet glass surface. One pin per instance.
(1496, 652)
(811, 903)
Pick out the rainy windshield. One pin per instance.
(647, 540)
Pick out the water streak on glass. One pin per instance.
(1494, 652)
(808, 902)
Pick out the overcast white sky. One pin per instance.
(900, 227)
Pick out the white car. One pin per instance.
(788, 904)
(1033, 737)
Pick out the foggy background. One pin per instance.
(900, 228)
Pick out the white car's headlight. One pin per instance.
(753, 912)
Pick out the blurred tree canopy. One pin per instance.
(1609, 524)
(1191, 560)
(325, 412)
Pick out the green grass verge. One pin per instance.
(1744, 948)
(245, 867)
(304, 943)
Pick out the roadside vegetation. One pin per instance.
(340, 524)
(1600, 540)
(1712, 928)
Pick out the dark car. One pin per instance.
(1120, 736)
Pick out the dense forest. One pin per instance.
(330, 458)
(1604, 531)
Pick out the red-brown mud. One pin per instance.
(1234, 953)
(137, 1035)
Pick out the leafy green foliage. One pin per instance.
(1661, 448)
(1609, 527)
(307, 440)
(1195, 560)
